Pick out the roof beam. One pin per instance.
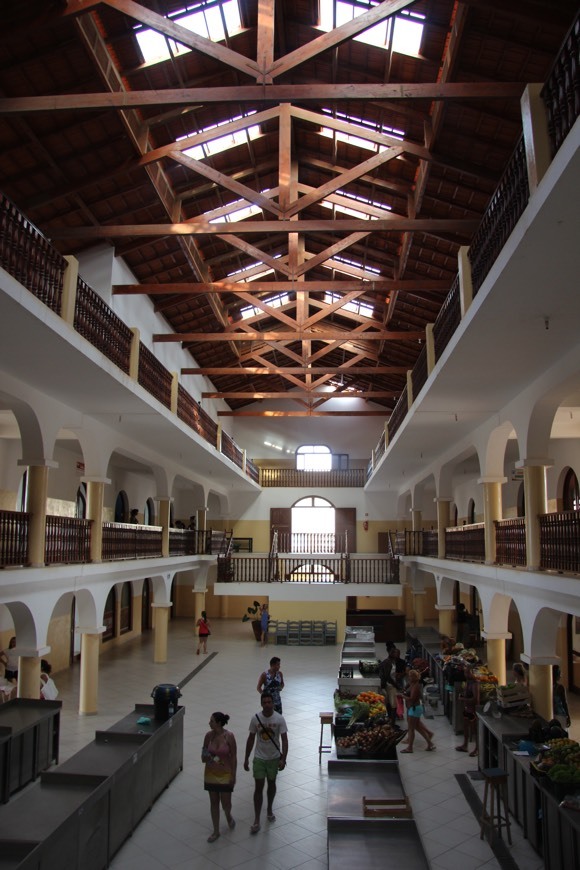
(186, 289)
(258, 94)
(309, 413)
(199, 226)
(307, 394)
(297, 335)
(263, 371)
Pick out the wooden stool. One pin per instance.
(492, 816)
(325, 719)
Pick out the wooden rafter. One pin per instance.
(298, 335)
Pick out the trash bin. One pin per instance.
(165, 697)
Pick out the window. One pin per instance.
(81, 509)
(204, 19)
(313, 457)
(109, 616)
(126, 615)
(571, 492)
(405, 29)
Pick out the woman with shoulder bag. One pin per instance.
(415, 710)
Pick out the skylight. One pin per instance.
(205, 21)
(221, 143)
(350, 267)
(352, 211)
(274, 302)
(357, 307)
(405, 29)
(365, 125)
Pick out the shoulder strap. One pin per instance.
(267, 733)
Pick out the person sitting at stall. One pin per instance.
(520, 676)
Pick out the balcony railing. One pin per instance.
(510, 542)
(128, 541)
(343, 477)
(13, 538)
(561, 97)
(312, 542)
(560, 541)
(282, 569)
(68, 541)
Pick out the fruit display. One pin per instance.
(374, 742)
(560, 761)
(376, 703)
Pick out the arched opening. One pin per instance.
(570, 492)
(122, 507)
(471, 512)
(126, 610)
(149, 513)
(109, 616)
(22, 496)
(81, 505)
(521, 501)
(313, 526)
(146, 599)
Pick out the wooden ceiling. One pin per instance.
(92, 142)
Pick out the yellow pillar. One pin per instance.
(465, 280)
(95, 502)
(199, 604)
(164, 520)
(89, 682)
(37, 489)
(496, 655)
(446, 612)
(418, 607)
(160, 631)
(540, 686)
(442, 523)
(69, 290)
(536, 134)
(29, 677)
(492, 510)
(536, 503)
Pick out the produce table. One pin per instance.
(353, 838)
(80, 813)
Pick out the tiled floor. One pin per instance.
(174, 834)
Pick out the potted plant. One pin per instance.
(253, 614)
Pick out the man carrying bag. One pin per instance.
(269, 732)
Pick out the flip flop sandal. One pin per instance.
(231, 824)
(271, 817)
(254, 829)
(212, 838)
(460, 749)
(431, 749)
(406, 751)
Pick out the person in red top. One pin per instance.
(203, 632)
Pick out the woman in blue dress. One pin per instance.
(264, 621)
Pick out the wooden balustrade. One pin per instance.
(29, 257)
(129, 541)
(183, 542)
(67, 541)
(252, 471)
(154, 377)
(398, 414)
(419, 373)
(311, 542)
(285, 569)
(502, 214)
(14, 527)
(448, 319)
(430, 544)
(95, 321)
(339, 477)
(231, 450)
(510, 541)
(561, 92)
(466, 543)
(560, 541)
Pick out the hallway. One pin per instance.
(174, 834)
